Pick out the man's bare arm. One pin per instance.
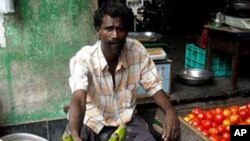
(170, 123)
(76, 113)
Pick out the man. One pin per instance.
(104, 78)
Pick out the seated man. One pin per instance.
(104, 78)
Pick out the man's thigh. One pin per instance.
(138, 130)
(86, 134)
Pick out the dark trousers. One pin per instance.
(137, 130)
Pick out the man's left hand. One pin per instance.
(171, 125)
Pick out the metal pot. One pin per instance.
(22, 137)
(194, 77)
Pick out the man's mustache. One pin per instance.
(115, 42)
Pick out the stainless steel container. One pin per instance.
(194, 77)
(145, 36)
(22, 137)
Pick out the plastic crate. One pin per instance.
(195, 57)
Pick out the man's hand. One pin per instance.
(77, 139)
(170, 125)
(171, 130)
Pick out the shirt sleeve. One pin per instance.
(150, 78)
(78, 74)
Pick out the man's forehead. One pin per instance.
(107, 19)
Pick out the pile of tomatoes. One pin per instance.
(215, 122)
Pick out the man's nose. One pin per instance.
(114, 33)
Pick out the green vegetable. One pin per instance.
(67, 137)
(119, 134)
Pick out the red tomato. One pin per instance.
(191, 116)
(190, 122)
(222, 139)
(196, 111)
(226, 136)
(234, 109)
(227, 112)
(214, 124)
(248, 105)
(243, 113)
(243, 123)
(221, 129)
(226, 122)
(209, 115)
(195, 122)
(207, 124)
(247, 120)
(218, 118)
(218, 110)
(213, 131)
(201, 116)
(204, 132)
(228, 128)
(214, 137)
(234, 119)
(199, 128)
(243, 107)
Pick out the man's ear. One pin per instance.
(97, 29)
(98, 32)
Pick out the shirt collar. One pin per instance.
(122, 62)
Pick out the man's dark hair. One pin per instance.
(114, 9)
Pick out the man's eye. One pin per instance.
(109, 28)
(121, 29)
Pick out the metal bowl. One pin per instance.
(22, 137)
(194, 77)
(145, 36)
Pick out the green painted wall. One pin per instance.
(41, 36)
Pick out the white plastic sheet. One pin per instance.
(6, 6)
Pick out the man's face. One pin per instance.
(112, 34)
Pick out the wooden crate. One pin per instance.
(186, 126)
(189, 132)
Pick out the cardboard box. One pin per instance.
(157, 53)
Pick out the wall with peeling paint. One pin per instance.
(41, 36)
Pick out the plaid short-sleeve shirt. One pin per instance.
(107, 106)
